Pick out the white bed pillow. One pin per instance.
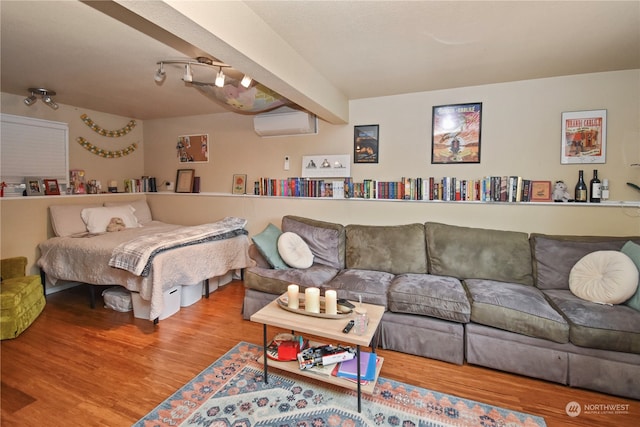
(605, 277)
(97, 219)
(66, 220)
(142, 211)
(294, 251)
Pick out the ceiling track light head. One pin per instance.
(160, 74)
(45, 94)
(220, 78)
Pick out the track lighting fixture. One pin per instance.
(220, 78)
(46, 95)
(201, 61)
(246, 81)
(188, 77)
(160, 74)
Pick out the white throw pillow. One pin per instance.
(605, 277)
(141, 209)
(97, 219)
(294, 251)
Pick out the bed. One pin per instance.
(81, 252)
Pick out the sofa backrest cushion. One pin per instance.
(396, 249)
(325, 239)
(477, 253)
(555, 256)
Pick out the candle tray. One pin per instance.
(283, 302)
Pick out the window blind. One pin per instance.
(33, 147)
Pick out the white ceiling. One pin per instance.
(320, 54)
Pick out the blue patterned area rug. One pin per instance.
(232, 392)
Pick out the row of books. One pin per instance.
(339, 362)
(486, 189)
(144, 184)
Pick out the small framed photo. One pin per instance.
(184, 180)
(51, 187)
(540, 191)
(455, 137)
(34, 186)
(584, 137)
(365, 144)
(239, 184)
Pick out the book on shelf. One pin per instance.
(349, 369)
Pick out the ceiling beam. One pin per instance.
(233, 33)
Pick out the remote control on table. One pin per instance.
(348, 327)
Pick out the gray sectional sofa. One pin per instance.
(498, 299)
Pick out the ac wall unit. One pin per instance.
(285, 121)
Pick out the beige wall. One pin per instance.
(95, 167)
(520, 136)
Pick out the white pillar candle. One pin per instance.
(331, 302)
(312, 300)
(292, 295)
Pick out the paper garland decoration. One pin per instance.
(108, 154)
(110, 133)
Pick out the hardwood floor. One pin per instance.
(80, 367)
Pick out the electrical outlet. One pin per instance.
(286, 163)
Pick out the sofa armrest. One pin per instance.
(255, 255)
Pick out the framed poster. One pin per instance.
(584, 137)
(51, 187)
(193, 148)
(184, 180)
(34, 186)
(239, 184)
(365, 144)
(455, 137)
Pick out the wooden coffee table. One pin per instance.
(331, 329)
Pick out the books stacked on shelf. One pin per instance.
(486, 189)
(349, 368)
(140, 185)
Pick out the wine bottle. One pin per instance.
(595, 188)
(604, 189)
(581, 189)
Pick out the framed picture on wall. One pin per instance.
(455, 137)
(193, 148)
(239, 184)
(365, 144)
(584, 137)
(184, 180)
(51, 187)
(34, 186)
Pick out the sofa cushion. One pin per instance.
(428, 295)
(395, 249)
(555, 256)
(267, 244)
(276, 282)
(476, 253)
(325, 239)
(605, 277)
(515, 308)
(294, 251)
(632, 250)
(371, 285)
(606, 327)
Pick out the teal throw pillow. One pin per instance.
(267, 244)
(632, 250)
